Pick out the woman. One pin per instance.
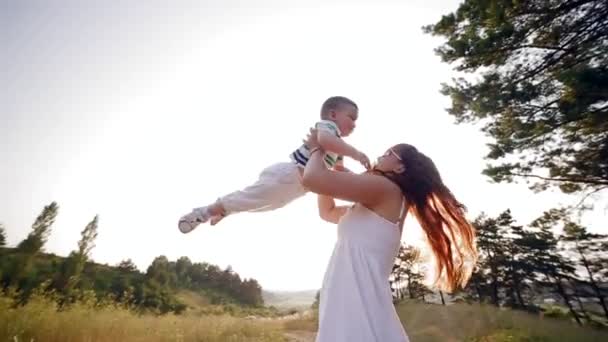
(356, 300)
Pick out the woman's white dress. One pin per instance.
(355, 303)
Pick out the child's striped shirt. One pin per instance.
(302, 154)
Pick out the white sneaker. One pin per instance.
(190, 221)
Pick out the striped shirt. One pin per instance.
(301, 155)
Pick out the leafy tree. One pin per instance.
(591, 255)
(315, 304)
(2, 236)
(551, 267)
(41, 229)
(491, 271)
(74, 264)
(407, 269)
(127, 266)
(182, 269)
(21, 270)
(517, 261)
(159, 272)
(542, 91)
(250, 293)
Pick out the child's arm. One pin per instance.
(339, 166)
(330, 142)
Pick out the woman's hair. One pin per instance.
(441, 216)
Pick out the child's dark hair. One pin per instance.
(334, 103)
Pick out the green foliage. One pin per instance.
(407, 275)
(522, 266)
(2, 235)
(71, 270)
(543, 92)
(153, 291)
(315, 304)
(589, 253)
(127, 266)
(41, 229)
(27, 268)
(20, 270)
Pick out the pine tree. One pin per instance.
(406, 269)
(591, 251)
(492, 271)
(41, 229)
(2, 236)
(542, 90)
(73, 266)
(552, 269)
(127, 266)
(32, 245)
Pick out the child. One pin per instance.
(280, 183)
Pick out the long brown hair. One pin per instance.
(449, 234)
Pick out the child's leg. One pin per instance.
(276, 186)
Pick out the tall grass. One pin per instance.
(474, 322)
(91, 321)
(477, 323)
(40, 320)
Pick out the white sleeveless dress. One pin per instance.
(355, 303)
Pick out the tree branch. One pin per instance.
(589, 194)
(561, 179)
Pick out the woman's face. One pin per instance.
(390, 162)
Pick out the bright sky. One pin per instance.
(139, 111)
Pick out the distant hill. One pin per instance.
(289, 299)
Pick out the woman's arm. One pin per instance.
(365, 188)
(328, 210)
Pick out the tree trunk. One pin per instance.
(562, 292)
(494, 276)
(478, 290)
(597, 290)
(518, 293)
(495, 290)
(409, 287)
(577, 297)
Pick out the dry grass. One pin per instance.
(464, 322)
(476, 323)
(302, 323)
(39, 320)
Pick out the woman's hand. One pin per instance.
(312, 140)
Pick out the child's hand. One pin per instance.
(362, 158)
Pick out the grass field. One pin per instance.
(40, 320)
(478, 323)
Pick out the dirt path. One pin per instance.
(300, 336)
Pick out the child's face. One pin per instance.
(345, 117)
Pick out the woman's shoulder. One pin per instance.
(389, 189)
